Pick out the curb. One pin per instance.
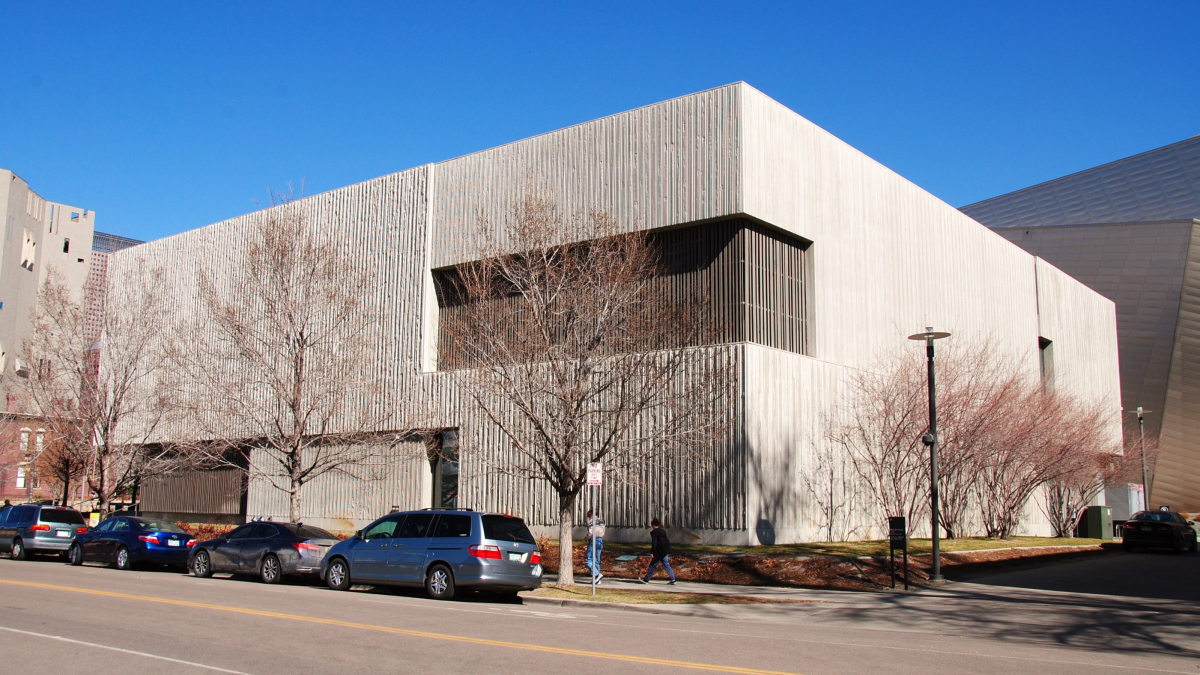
(685, 610)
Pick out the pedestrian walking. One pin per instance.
(595, 525)
(660, 552)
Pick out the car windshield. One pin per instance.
(66, 516)
(157, 525)
(506, 528)
(1154, 516)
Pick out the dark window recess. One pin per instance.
(506, 528)
(443, 460)
(262, 531)
(748, 280)
(452, 526)
(66, 245)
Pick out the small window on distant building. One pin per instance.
(74, 216)
(20, 476)
(28, 251)
(1046, 358)
(66, 245)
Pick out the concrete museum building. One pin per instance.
(873, 258)
(1130, 230)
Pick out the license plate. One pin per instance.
(513, 556)
(174, 542)
(63, 534)
(1145, 528)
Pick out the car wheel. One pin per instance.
(75, 555)
(18, 550)
(1128, 548)
(270, 571)
(202, 565)
(123, 562)
(338, 575)
(439, 583)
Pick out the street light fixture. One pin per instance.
(930, 439)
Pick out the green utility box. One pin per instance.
(1096, 523)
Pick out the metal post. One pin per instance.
(1142, 441)
(592, 536)
(936, 574)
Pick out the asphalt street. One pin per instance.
(96, 619)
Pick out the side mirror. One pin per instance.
(358, 534)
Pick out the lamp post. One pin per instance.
(1141, 415)
(931, 440)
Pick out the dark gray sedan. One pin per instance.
(269, 550)
(441, 550)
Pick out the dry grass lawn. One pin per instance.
(859, 548)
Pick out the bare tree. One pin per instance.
(578, 353)
(880, 423)
(834, 487)
(276, 368)
(1041, 437)
(94, 385)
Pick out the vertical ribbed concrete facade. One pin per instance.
(879, 259)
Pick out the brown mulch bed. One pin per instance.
(824, 572)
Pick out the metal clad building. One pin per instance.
(1129, 230)
(821, 256)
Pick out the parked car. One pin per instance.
(442, 550)
(270, 550)
(33, 528)
(128, 540)
(1159, 529)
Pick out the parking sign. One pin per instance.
(595, 473)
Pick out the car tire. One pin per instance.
(75, 555)
(270, 571)
(439, 582)
(1128, 548)
(338, 575)
(122, 560)
(202, 565)
(18, 551)
(1195, 544)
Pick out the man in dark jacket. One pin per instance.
(660, 552)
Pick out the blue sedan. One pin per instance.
(127, 540)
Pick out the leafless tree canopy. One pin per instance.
(277, 368)
(567, 349)
(1002, 436)
(97, 391)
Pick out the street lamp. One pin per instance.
(930, 439)
(1141, 415)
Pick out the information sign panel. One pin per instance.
(595, 474)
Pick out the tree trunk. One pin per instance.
(294, 503)
(566, 548)
(66, 493)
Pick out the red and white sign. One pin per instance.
(595, 474)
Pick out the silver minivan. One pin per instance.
(440, 549)
(33, 528)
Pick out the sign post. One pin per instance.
(595, 478)
(898, 540)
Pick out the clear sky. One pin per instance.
(167, 116)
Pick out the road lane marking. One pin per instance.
(404, 631)
(123, 651)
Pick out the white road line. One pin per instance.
(123, 651)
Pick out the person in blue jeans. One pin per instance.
(660, 552)
(595, 525)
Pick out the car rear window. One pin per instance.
(158, 525)
(310, 532)
(506, 528)
(66, 516)
(1154, 516)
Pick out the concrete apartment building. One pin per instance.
(1130, 230)
(39, 235)
(878, 259)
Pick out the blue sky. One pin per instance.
(167, 116)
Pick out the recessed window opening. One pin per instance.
(1046, 361)
(66, 245)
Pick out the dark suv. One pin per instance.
(439, 549)
(31, 528)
